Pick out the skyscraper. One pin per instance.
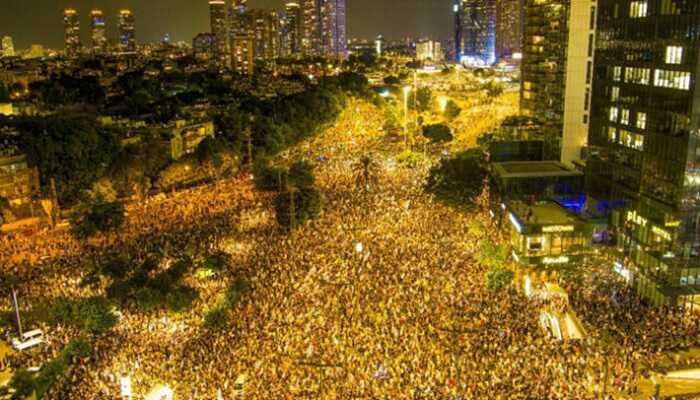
(97, 26)
(127, 38)
(242, 55)
(8, 47)
(71, 27)
(324, 28)
(644, 143)
(203, 46)
(509, 29)
(557, 73)
(293, 28)
(333, 29)
(475, 31)
(219, 28)
(265, 34)
(311, 39)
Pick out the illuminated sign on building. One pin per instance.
(555, 260)
(558, 228)
(661, 233)
(632, 216)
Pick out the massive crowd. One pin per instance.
(382, 297)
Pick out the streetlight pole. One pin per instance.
(406, 90)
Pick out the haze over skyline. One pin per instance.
(183, 19)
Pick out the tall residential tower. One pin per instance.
(557, 72)
(127, 31)
(219, 29)
(71, 29)
(98, 35)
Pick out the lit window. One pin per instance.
(625, 117)
(638, 9)
(672, 79)
(641, 120)
(631, 140)
(613, 114)
(615, 93)
(617, 73)
(639, 76)
(674, 54)
(612, 134)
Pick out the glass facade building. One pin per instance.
(475, 31)
(71, 27)
(644, 142)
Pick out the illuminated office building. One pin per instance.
(203, 46)
(475, 31)
(333, 29)
(509, 30)
(644, 143)
(311, 39)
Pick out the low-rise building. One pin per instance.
(185, 136)
(18, 181)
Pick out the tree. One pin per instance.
(452, 110)
(4, 92)
(301, 175)
(458, 180)
(295, 207)
(422, 99)
(498, 278)
(367, 173)
(96, 215)
(438, 133)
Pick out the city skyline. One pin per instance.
(184, 19)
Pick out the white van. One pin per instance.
(28, 340)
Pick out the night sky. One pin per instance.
(40, 21)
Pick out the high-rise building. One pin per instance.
(429, 50)
(379, 46)
(97, 26)
(292, 32)
(311, 39)
(203, 46)
(71, 27)
(240, 22)
(242, 52)
(333, 29)
(324, 28)
(219, 29)
(557, 71)
(265, 34)
(475, 31)
(127, 31)
(35, 51)
(644, 143)
(8, 47)
(509, 30)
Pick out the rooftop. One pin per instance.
(535, 169)
(542, 213)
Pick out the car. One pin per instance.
(28, 340)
